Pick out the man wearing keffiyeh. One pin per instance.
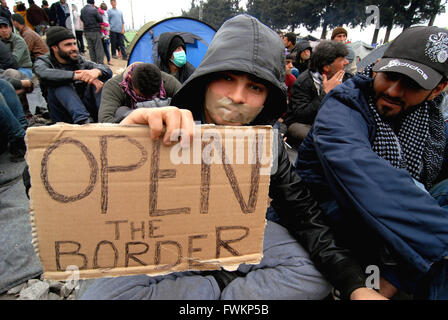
(376, 160)
(140, 85)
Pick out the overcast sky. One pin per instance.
(155, 10)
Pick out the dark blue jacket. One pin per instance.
(58, 16)
(381, 210)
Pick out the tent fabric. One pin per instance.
(196, 34)
(361, 50)
(374, 55)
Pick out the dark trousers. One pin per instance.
(12, 119)
(95, 44)
(117, 43)
(106, 49)
(80, 41)
(65, 105)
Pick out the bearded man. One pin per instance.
(71, 83)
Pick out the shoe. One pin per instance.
(17, 149)
(223, 277)
(86, 121)
(114, 57)
(42, 112)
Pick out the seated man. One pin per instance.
(303, 59)
(289, 77)
(172, 52)
(12, 123)
(327, 70)
(289, 41)
(8, 66)
(36, 46)
(17, 46)
(74, 84)
(140, 85)
(340, 34)
(373, 159)
(225, 91)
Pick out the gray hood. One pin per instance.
(241, 44)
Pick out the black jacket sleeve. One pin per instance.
(302, 216)
(305, 101)
(7, 61)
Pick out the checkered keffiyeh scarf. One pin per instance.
(126, 85)
(419, 144)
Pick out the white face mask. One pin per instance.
(222, 108)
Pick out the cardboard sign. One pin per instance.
(108, 201)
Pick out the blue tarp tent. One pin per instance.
(196, 34)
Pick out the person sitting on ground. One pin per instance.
(74, 84)
(303, 59)
(8, 72)
(376, 157)
(327, 70)
(289, 40)
(241, 88)
(289, 77)
(140, 85)
(173, 56)
(8, 65)
(13, 123)
(17, 46)
(36, 46)
(340, 34)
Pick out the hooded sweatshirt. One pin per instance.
(299, 63)
(165, 55)
(257, 57)
(244, 44)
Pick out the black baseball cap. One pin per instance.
(421, 53)
(3, 20)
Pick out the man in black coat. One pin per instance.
(327, 70)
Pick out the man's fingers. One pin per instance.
(187, 128)
(179, 123)
(172, 119)
(150, 117)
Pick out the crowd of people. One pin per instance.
(369, 183)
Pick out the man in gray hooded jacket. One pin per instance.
(247, 68)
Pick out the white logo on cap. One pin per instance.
(437, 47)
(398, 63)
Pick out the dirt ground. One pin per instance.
(118, 65)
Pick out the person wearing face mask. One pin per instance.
(173, 56)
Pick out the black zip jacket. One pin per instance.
(46, 65)
(298, 210)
